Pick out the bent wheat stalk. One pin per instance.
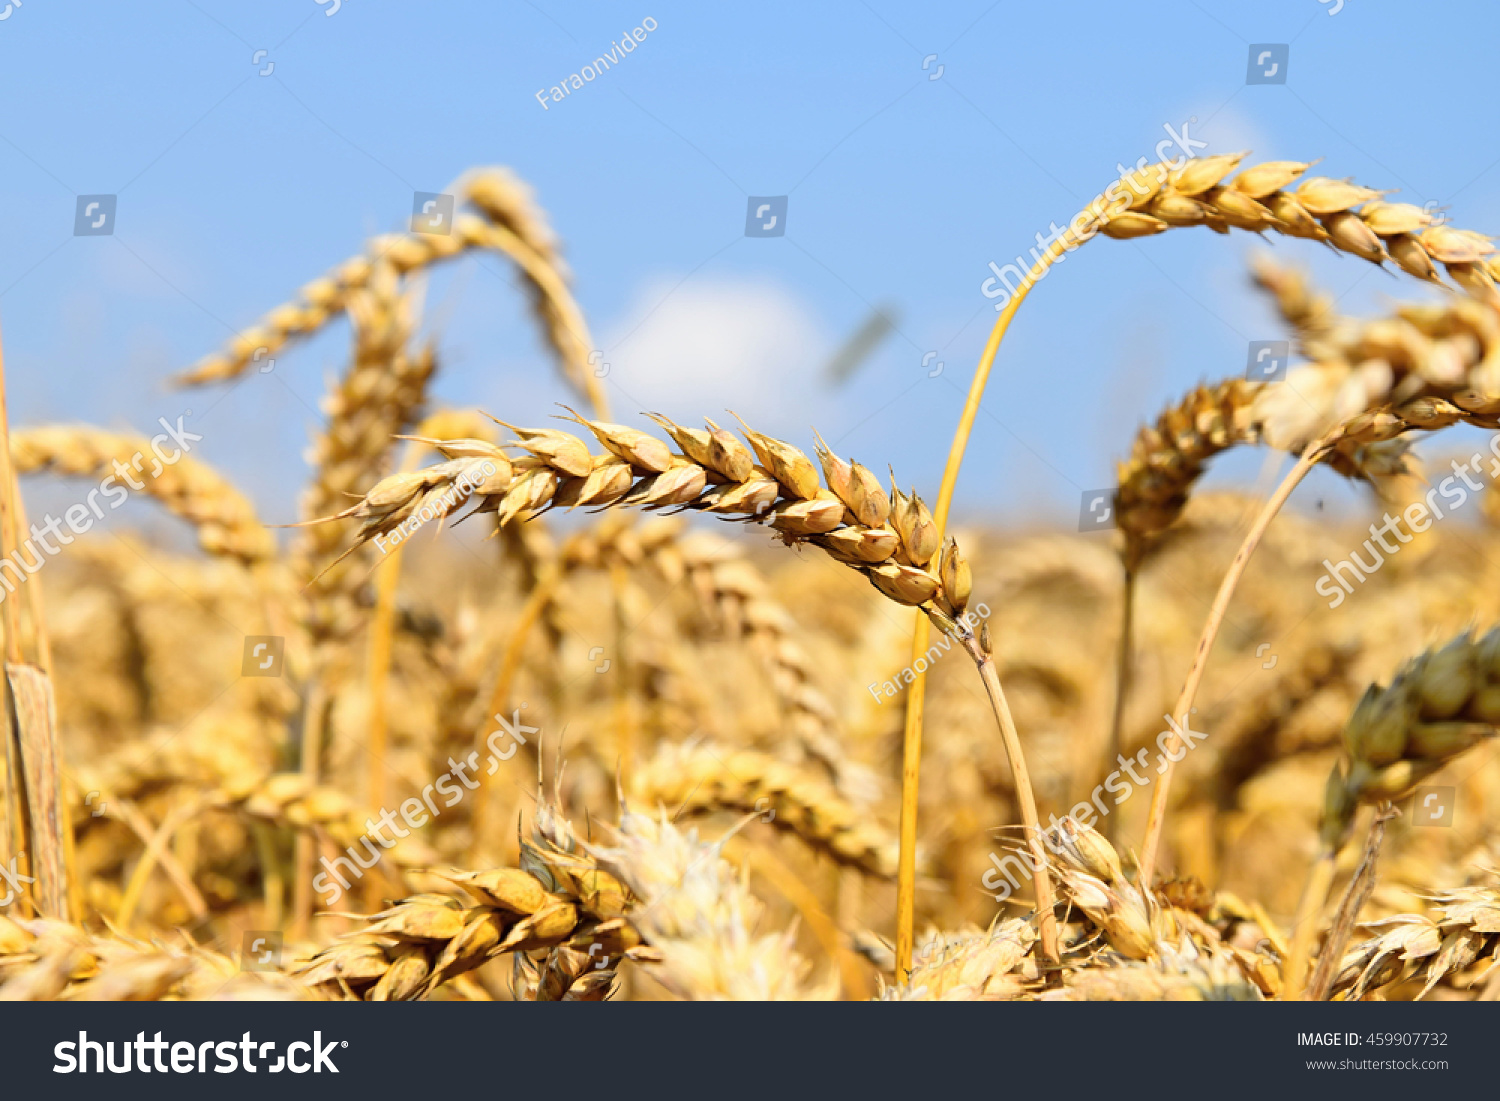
(891, 539)
(1153, 486)
(1183, 708)
(1151, 200)
(1426, 368)
(225, 521)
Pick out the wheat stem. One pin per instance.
(17, 830)
(1154, 822)
(510, 662)
(911, 754)
(1122, 682)
(273, 882)
(312, 748)
(1305, 925)
(1355, 897)
(155, 848)
(1046, 918)
(139, 825)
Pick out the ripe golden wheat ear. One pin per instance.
(559, 898)
(225, 521)
(889, 539)
(508, 222)
(1343, 215)
(971, 966)
(380, 395)
(702, 779)
(698, 916)
(48, 960)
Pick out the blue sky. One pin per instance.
(236, 188)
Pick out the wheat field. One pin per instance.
(605, 746)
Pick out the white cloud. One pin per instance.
(707, 346)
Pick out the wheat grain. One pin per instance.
(44, 960)
(379, 396)
(1168, 457)
(1186, 976)
(1427, 367)
(1466, 931)
(718, 474)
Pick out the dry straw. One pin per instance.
(1465, 932)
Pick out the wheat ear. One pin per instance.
(698, 778)
(1466, 930)
(379, 396)
(696, 912)
(44, 960)
(970, 966)
(225, 521)
(892, 540)
(1440, 704)
(1347, 217)
(510, 224)
(1427, 367)
(558, 898)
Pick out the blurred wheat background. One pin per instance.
(709, 798)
